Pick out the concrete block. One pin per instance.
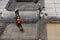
(57, 9)
(49, 5)
(52, 14)
(50, 9)
(49, 1)
(57, 1)
(57, 5)
(58, 14)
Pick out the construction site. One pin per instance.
(40, 19)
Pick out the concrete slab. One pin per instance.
(13, 32)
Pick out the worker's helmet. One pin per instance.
(16, 10)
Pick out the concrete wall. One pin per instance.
(53, 9)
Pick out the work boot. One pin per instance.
(21, 29)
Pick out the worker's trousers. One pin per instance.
(19, 25)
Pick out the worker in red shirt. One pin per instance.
(19, 21)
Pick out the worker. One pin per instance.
(38, 5)
(19, 21)
(16, 14)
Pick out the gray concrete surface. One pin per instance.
(26, 16)
(13, 32)
(2, 27)
(26, 6)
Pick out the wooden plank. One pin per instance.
(53, 31)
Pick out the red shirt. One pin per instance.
(19, 21)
